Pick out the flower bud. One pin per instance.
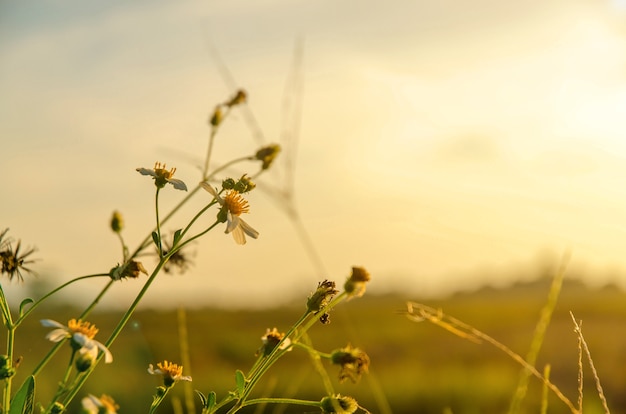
(217, 116)
(239, 98)
(228, 184)
(244, 185)
(353, 361)
(356, 283)
(117, 222)
(339, 404)
(267, 155)
(57, 408)
(6, 370)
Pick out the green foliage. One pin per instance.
(23, 401)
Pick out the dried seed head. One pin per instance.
(322, 296)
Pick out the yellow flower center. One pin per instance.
(85, 328)
(160, 171)
(170, 370)
(235, 203)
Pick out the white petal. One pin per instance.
(57, 335)
(146, 171)
(248, 229)
(108, 356)
(184, 378)
(49, 323)
(232, 222)
(153, 371)
(178, 184)
(91, 404)
(210, 189)
(238, 235)
(82, 340)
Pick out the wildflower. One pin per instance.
(130, 269)
(267, 155)
(117, 222)
(102, 405)
(81, 336)
(171, 373)
(353, 362)
(163, 176)
(322, 296)
(356, 283)
(11, 262)
(239, 98)
(233, 205)
(339, 404)
(271, 340)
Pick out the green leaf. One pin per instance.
(23, 400)
(177, 236)
(212, 400)
(25, 303)
(202, 399)
(240, 381)
(155, 239)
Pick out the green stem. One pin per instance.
(122, 323)
(158, 400)
(317, 363)
(52, 292)
(63, 383)
(146, 242)
(293, 401)
(8, 323)
(265, 364)
(86, 312)
(158, 224)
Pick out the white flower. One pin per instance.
(162, 176)
(171, 373)
(80, 333)
(234, 205)
(103, 405)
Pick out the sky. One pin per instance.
(440, 145)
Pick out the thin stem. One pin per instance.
(158, 400)
(52, 292)
(122, 323)
(317, 363)
(293, 401)
(8, 322)
(158, 223)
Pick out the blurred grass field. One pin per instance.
(419, 367)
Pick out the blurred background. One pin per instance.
(445, 146)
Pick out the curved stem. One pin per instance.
(52, 292)
(122, 323)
